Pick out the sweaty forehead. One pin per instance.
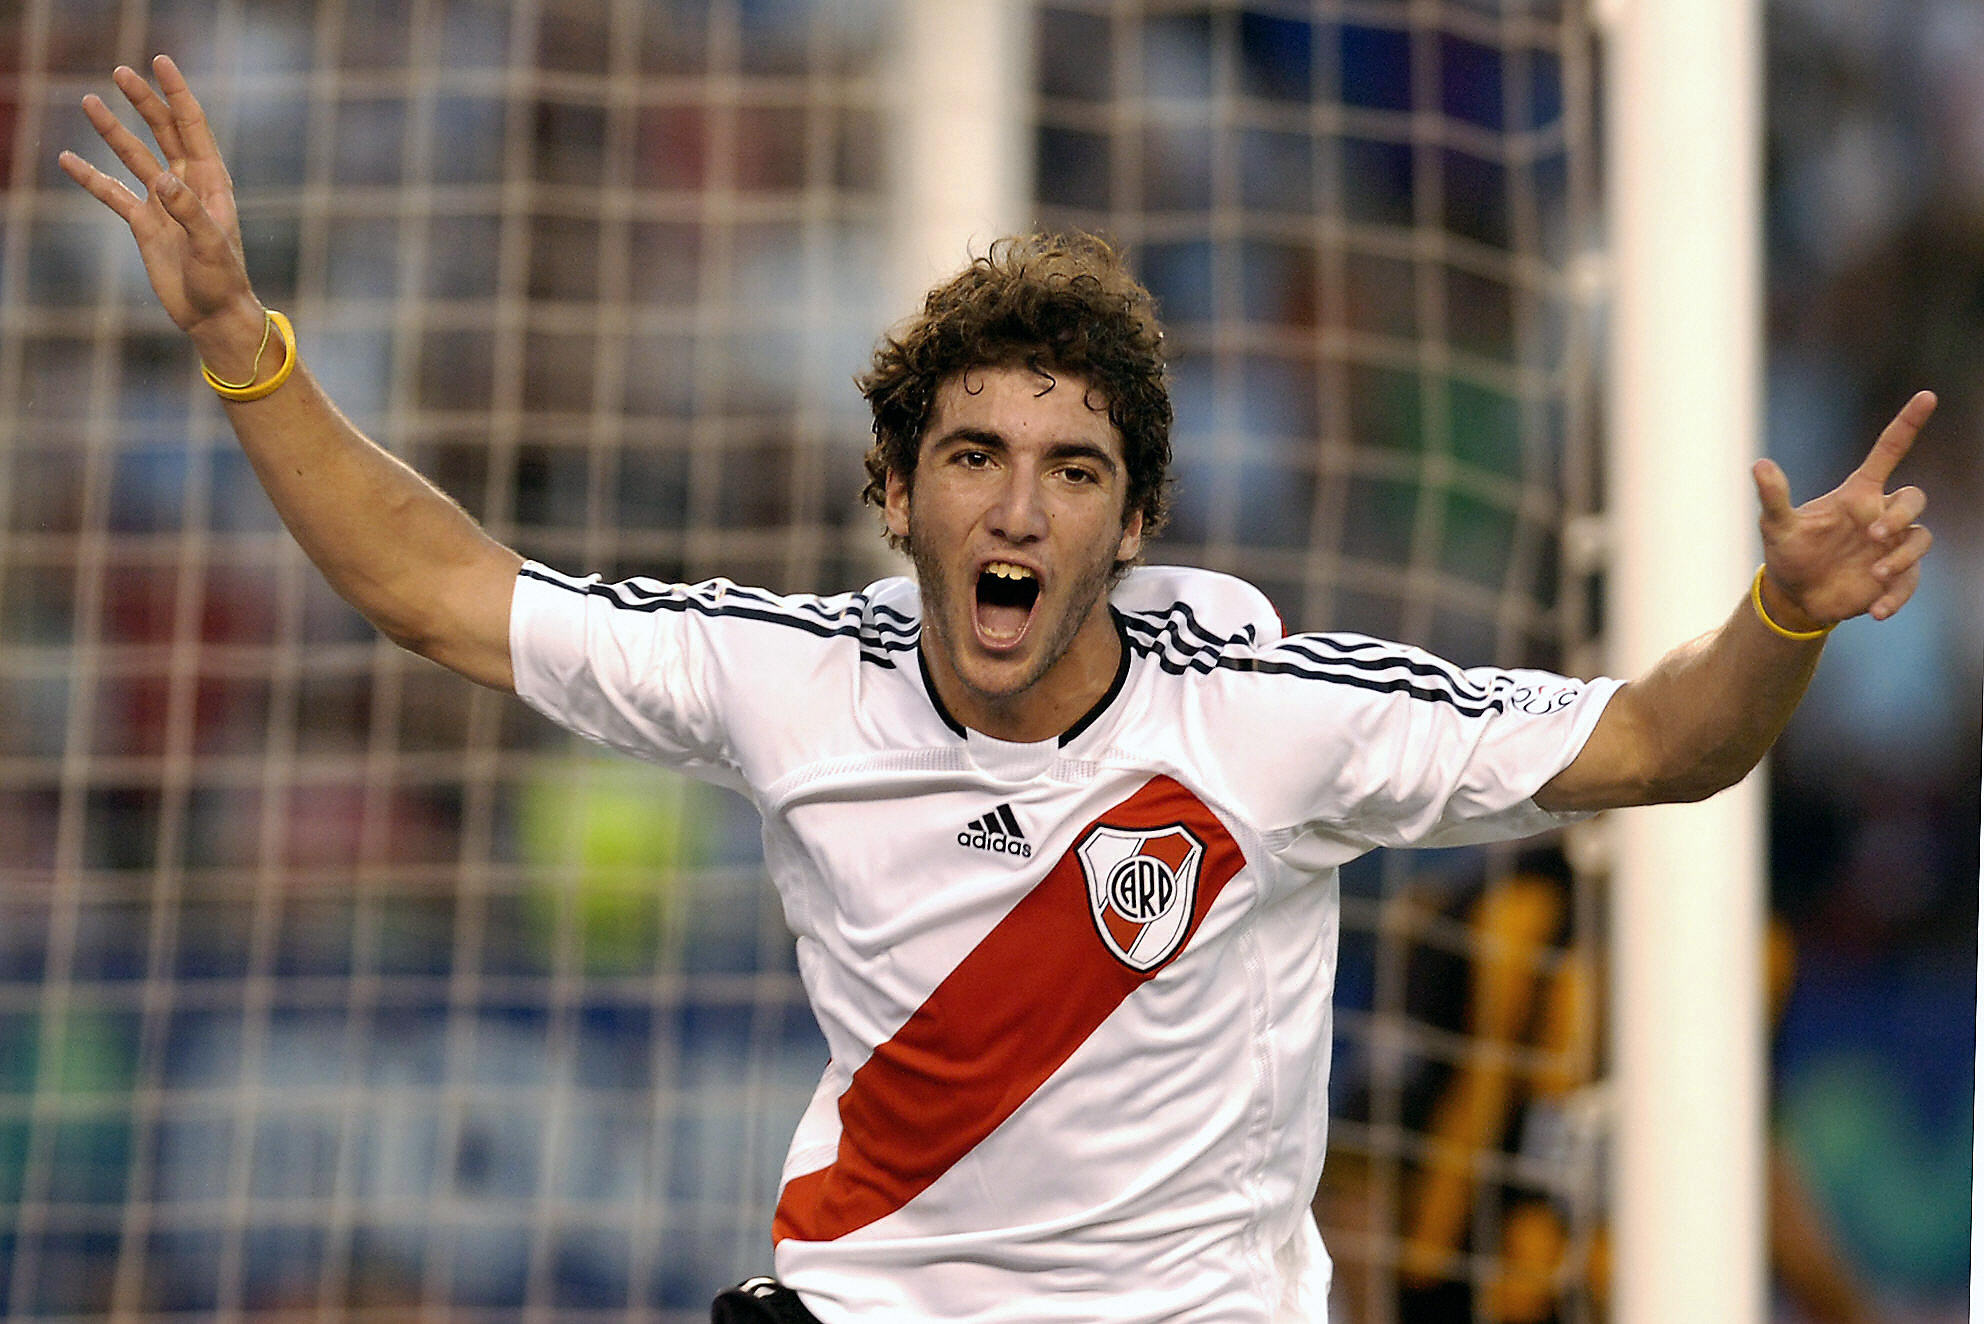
(1017, 402)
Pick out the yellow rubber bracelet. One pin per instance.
(251, 391)
(1796, 636)
(254, 369)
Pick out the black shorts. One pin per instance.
(760, 1301)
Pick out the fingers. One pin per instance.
(157, 114)
(102, 187)
(137, 158)
(176, 120)
(1897, 437)
(185, 207)
(1903, 508)
(190, 120)
(1773, 491)
(176, 124)
(1897, 594)
(1906, 554)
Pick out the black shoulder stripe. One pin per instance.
(551, 578)
(1163, 646)
(852, 603)
(1348, 644)
(1178, 618)
(1421, 666)
(1175, 657)
(1178, 661)
(733, 599)
(1469, 706)
(646, 595)
(1167, 634)
(889, 645)
(1166, 637)
(1205, 662)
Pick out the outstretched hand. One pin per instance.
(186, 227)
(1856, 549)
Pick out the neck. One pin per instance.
(1048, 705)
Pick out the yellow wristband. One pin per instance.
(254, 369)
(249, 390)
(1797, 636)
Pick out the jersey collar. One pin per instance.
(1082, 724)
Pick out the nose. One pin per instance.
(1019, 515)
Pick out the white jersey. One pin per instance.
(1076, 992)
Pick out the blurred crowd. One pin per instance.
(1876, 289)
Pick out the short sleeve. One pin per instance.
(1367, 743)
(629, 665)
(1489, 766)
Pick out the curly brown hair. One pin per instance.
(1053, 303)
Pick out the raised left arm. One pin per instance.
(1704, 715)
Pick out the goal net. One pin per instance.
(329, 982)
(1372, 229)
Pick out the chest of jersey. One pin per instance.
(1038, 884)
(998, 974)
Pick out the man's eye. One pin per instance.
(1075, 474)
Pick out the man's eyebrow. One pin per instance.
(1087, 450)
(971, 436)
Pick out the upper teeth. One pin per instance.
(1007, 570)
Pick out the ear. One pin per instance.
(895, 504)
(1132, 540)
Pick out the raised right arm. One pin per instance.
(392, 544)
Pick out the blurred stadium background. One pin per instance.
(329, 985)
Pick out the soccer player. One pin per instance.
(1057, 837)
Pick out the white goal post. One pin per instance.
(1684, 152)
(960, 157)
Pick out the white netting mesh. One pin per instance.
(1370, 226)
(328, 981)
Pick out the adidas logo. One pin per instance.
(998, 832)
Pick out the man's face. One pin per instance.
(1014, 519)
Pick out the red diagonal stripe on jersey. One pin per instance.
(999, 1025)
(1124, 931)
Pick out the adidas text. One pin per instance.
(1003, 844)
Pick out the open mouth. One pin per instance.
(1004, 605)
